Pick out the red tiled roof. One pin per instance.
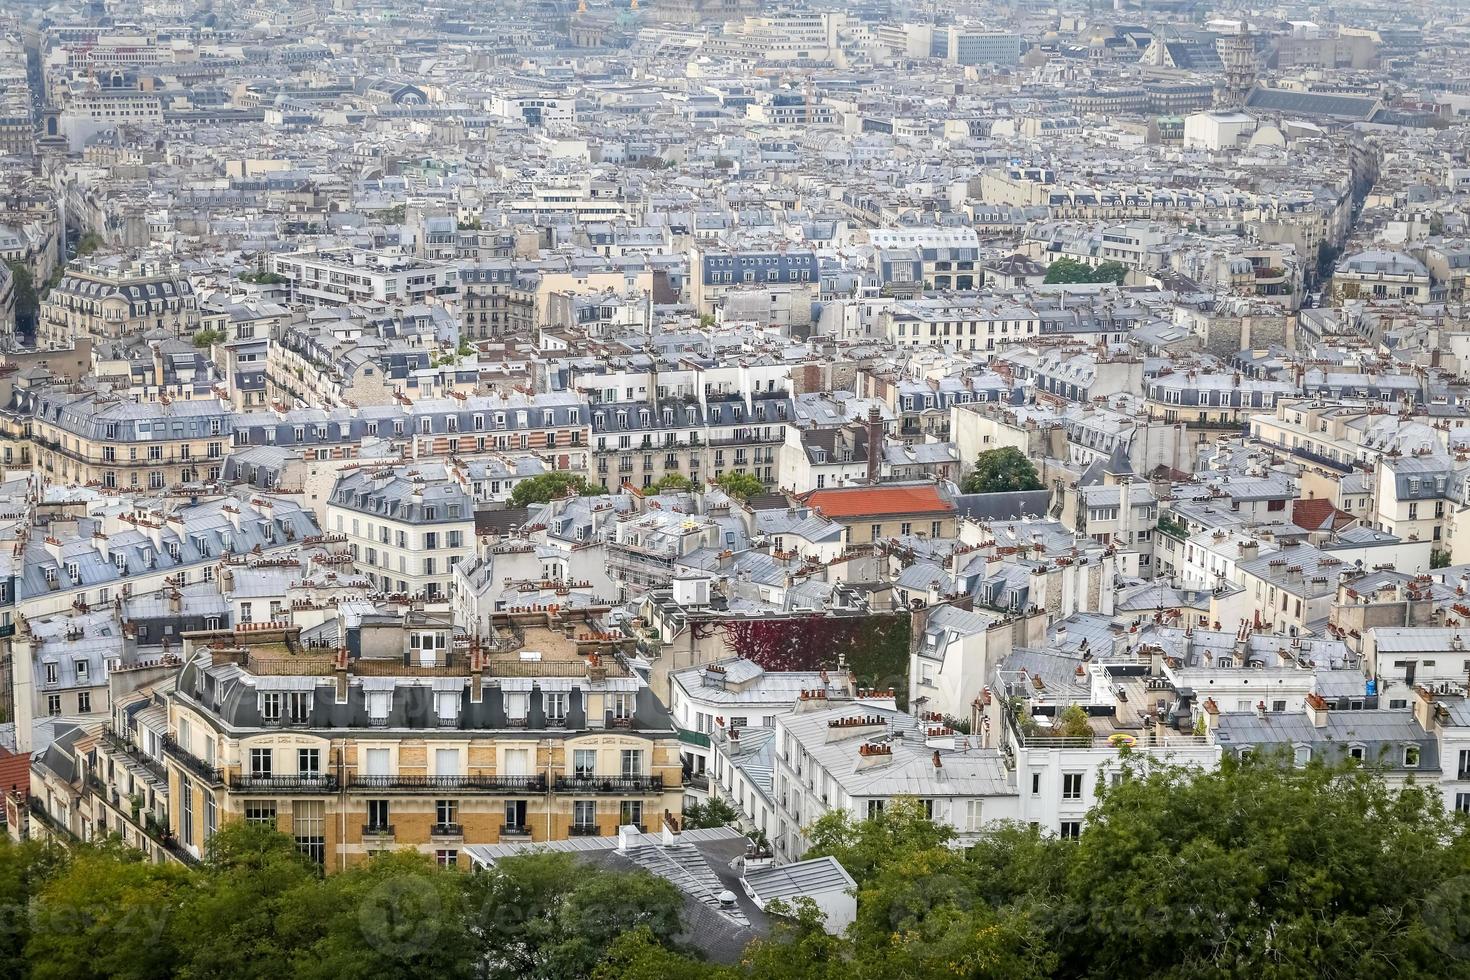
(874, 501)
(1318, 514)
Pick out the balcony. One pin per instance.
(377, 830)
(446, 830)
(515, 830)
(119, 744)
(610, 784)
(299, 784)
(493, 784)
(584, 830)
(212, 775)
(56, 827)
(697, 780)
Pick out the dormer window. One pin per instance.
(1411, 756)
(378, 705)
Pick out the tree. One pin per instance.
(1067, 271)
(1072, 723)
(208, 338)
(552, 486)
(638, 955)
(1004, 470)
(673, 482)
(232, 921)
(25, 867)
(1312, 872)
(740, 484)
(1072, 271)
(715, 812)
(398, 915)
(544, 916)
(27, 303)
(107, 915)
(89, 243)
(863, 846)
(1113, 272)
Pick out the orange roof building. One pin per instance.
(875, 513)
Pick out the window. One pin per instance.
(377, 815)
(584, 763)
(556, 708)
(309, 763)
(973, 816)
(53, 704)
(261, 812)
(260, 763)
(630, 812)
(446, 857)
(632, 762)
(1302, 756)
(84, 702)
(584, 814)
(298, 706)
(211, 816)
(446, 812)
(622, 707)
(1071, 785)
(308, 825)
(1411, 756)
(446, 762)
(1036, 784)
(1356, 753)
(1071, 829)
(1462, 802)
(270, 706)
(188, 809)
(875, 809)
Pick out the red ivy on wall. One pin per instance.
(875, 647)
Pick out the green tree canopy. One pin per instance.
(233, 918)
(1068, 271)
(553, 486)
(740, 484)
(671, 482)
(544, 916)
(27, 301)
(1073, 271)
(1004, 470)
(89, 243)
(108, 914)
(715, 812)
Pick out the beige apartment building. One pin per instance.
(410, 736)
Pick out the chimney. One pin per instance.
(627, 838)
(1125, 491)
(1249, 550)
(875, 443)
(1317, 710)
(1424, 712)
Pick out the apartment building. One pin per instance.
(714, 273)
(101, 440)
(831, 753)
(117, 296)
(498, 299)
(337, 277)
(407, 526)
(412, 736)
